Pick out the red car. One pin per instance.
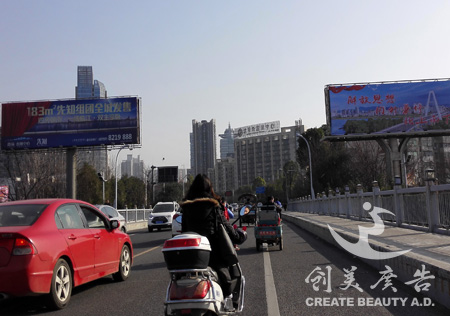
(49, 246)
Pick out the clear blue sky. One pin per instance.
(239, 62)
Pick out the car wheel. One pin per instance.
(124, 230)
(150, 229)
(61, 287)
(124, 265)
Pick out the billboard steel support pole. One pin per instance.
(71, 167)
(394, 149)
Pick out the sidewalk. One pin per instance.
(431, 250)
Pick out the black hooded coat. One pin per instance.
(202, 216)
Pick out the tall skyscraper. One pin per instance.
(224, 176)
(203, 146)
(226, 143)
(88, 88)
(133, 167)
(99, 90)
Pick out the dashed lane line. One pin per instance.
(271, 292)
(146, 251)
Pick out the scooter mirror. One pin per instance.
(244, 211)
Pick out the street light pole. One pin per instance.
(182, 182)
(310, 166)
(117, 156)
(153, 184)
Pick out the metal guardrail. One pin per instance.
(135, 215)
(421, 208)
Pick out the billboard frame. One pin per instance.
(165, 171)
(45, 124)
(375, 136)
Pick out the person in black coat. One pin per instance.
(201, 212)
(271, 201)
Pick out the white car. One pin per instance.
(112, 213)
(176, 224)
(162, 215)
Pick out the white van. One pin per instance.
(162, 215)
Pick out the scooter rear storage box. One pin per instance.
(187, 251)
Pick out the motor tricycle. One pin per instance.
(268, 228)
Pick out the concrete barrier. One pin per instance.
(132, 226)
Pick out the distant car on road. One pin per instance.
(176, 223)
(162, 215)
(49, 246)
(112, 213)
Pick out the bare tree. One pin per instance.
(34, 174)
(368, 163)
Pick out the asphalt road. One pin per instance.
(277, 283)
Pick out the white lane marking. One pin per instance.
(271, 292)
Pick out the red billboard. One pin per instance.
(70, 123)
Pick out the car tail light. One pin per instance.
(192, 291)
(22, 247)
(176, 215)
(179, 243)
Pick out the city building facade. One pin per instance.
(88, 88)
(132, 167)
(261, 150)
(203, 146)
(224, 176)
(227, 143)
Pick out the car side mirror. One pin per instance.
(114, 224)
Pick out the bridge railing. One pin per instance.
(135, 215)
(422, 208)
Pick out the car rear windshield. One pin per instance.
(163, 208)
(111, 212)
(20, 215)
